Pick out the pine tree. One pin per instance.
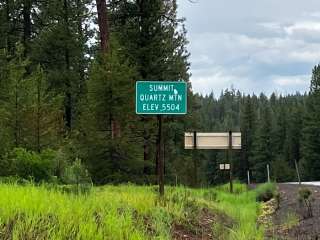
(42, 113)
(248, 119)
(157, 47)
(14, 97)
(110, 96)
(30, 113)
(262, 154)
(311, 130)
(61, 47)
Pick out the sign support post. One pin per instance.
(230, 161)
(298, 173)
(268, 171)
(160, 157)
(195, 165)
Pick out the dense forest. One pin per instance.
(67, 82)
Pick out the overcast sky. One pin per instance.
(252, 45)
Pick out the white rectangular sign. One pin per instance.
(225, 166)
(212, 140)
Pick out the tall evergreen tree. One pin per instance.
(262, 145)
(311, 130)
(248, 118)
(64, 58)
(110, 96)
(43, 113)
(30, 113)
(157, 47)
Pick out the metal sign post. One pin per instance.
(225, 167)
(298, 173)
(160, 153)
(195, 165)
(230, 161)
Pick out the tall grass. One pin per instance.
(244, 209)
(105, 213)
(118, 212)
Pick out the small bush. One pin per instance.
(265, 192)
(76, 173)
(305, 197)
(32, 165)
(304, 193)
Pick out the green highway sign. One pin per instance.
(161, 97)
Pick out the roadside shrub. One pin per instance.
(265, 192)
(305, 197)
(77, 179)
(32, 165)
(76, 173)
(304, 193)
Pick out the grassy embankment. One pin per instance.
(122, 212)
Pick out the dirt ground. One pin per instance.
(291, 220)
(201, 228)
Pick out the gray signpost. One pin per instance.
(161, 98)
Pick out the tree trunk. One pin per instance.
(8, 27)
(68, 104)
(82, 60)
(38, 113)
(17, 122)
(103, 25)
(144, 120)
(26, 22)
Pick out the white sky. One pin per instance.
(252, 45)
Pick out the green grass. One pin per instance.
(119, 212)
(242, 208)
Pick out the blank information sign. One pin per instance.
(212, 140)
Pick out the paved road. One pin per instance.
(306, 183)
